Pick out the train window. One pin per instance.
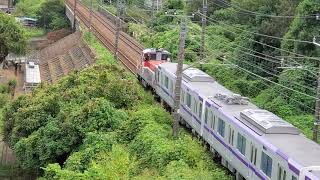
(161, 78)
(157, 76)
(170, 86)
(253, 156)
(294, 178)
(146, 57)
(221, 127)
(153, 57)
(188, 100)
(182, 96)
(200, 110)
(164, 56)
(241, 144)
(206, 116)
(166, 82)
(195, 106)
(282, 174)
(266, 164)
(212, 120)
(231, 135)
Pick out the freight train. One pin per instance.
(251, 142)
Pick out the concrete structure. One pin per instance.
(32, 76)
(6, 5)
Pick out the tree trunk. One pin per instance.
(3, 53)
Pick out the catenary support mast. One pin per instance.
(120, 7)
(177, 89)
(317, 109)
(90, 19)
(203, 32)
(74, 15)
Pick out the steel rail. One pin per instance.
(105, 41)
(129, 41)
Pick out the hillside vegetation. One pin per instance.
(50, 13)
(100, 124)
(247, 43)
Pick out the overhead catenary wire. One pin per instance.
(283, 94)
(283, 86)
(283, 50)
(273, 37)
(260, 57)
(288, 88)
(291, 98)
(253, 13)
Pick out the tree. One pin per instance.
(52, 15)
(12, 37)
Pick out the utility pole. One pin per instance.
(157, 6)
(90, 19)
(203, 32)
(152, 11)
(118, 27)
(177, 89)
(74, 16)
(316, 123)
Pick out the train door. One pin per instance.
(158, 56)
(253, 158)
(231, 136)
(282, 173)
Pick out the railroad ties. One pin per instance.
(129, 49)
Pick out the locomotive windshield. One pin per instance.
(164, 56)
(156, 55)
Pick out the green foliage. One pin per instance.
(100, 124)
(104, 57)
(12, 83)
(150, 147)
(33, 32)
(175, 4)
(4, 99)
(4, 88)
(49, 127)
(28, 7)
(52, 15)
(12, 37)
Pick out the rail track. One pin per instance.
(129, 50)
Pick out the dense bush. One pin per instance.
(52, 15)
(100, 124)
(235, 37)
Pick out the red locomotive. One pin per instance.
(151, 58)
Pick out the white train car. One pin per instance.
(253, 143)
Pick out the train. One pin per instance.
(252, 143)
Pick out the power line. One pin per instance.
(272, 81)
(300, 55)
(301, 93)
(266, 15)
(269, 36)
(283, 94)
(306, 87)
(291, 98)
(261, 57)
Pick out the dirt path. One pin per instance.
(8, 74)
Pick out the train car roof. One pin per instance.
(295, 145)
(154, 50)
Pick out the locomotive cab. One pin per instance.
(156, 55)
(150, 60)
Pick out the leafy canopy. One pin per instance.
(11, 37)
